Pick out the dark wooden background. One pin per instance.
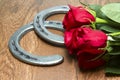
(14, 14)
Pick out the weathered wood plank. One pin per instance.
(14, 14)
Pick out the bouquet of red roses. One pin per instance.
(92, 35)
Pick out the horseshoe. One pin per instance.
(39, 25)
(27, 57)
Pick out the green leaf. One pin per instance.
(108, 28)
(109, 49)
(117, 38)
(115, 49)
(112, 11)
(97, 9)
(112, 70)
(113, 65)
(100, 14)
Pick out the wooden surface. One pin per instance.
(14, 14)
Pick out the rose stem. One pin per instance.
(114, 34)
(99, 20)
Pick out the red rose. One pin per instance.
(76, 17)
(78, 38)
(73, 38)
(86, 43)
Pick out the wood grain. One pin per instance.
(14, 14)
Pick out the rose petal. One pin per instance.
(77, 17)
(96, 39)
(82, 15)
(85, 63)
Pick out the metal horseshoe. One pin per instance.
(40, 28)
(26, 57)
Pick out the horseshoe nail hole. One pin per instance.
(59, 23)
(35, 45)
(50, 22)
(65, 7)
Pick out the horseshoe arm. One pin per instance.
(27, 57)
